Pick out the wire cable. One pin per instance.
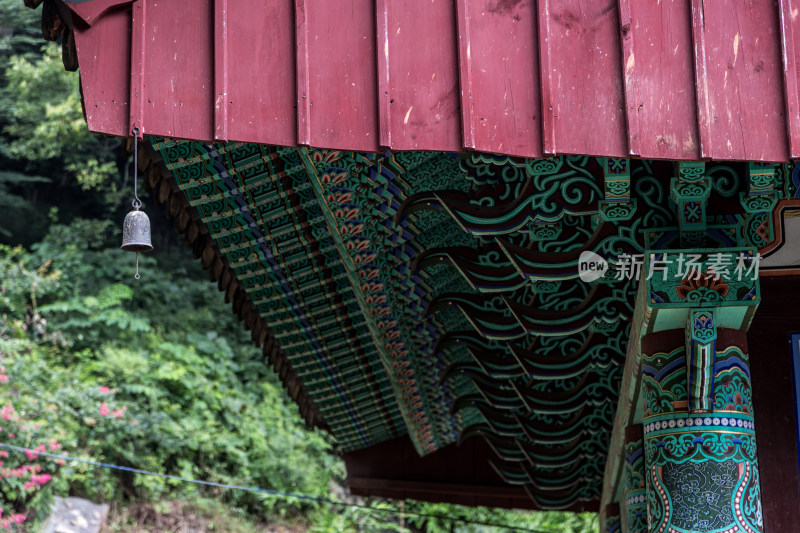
(318, 499)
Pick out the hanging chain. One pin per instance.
(136, 202)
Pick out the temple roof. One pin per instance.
(676, 79)
(433, 290)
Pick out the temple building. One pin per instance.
(539, 254)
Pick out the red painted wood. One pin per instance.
(790, 28)
(500, 96)
(104, 53)
(658, 68)
(255, 93)
(221, 66)
(336, 74)
(418, 75)
(137, 61)
(177, 90)
(91, 11)
(582, 86)
(741, 106)
(370, 73)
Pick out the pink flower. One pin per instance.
(41, 479)
(104, 390)
(3, 454)
(103, 409)
(119, 412)
(3, 378)
(29, 485)
(32, 454)
(54, 445)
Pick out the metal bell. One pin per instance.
(136, 232)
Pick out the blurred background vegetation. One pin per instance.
(155, 374)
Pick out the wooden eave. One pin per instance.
(678, 79)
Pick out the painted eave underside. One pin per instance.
(392, 319)
(433, 294)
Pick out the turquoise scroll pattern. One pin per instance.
(635, 491)
(702, 469)
(613, 522)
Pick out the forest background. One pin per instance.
(154, 374)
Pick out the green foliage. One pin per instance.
(189, 402)
(382, 516)
(478, 519)
(19, 32)
(43, 122)
(43, 136)
(12, 204)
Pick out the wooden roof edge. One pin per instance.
(186, 221)
(57, 24)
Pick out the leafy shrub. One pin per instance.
(198, 405)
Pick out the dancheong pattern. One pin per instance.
(635, 494)
(702, 468)
(439, 295)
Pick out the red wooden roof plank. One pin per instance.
(582, 82)
(301, 49)
(104, 54)
(464, 19)
(89, 12)
(336, 64)
(739, 46)
(548, 114)
(659, 79)
(790, 43)
(419, 75)
(138, 54)
(175, 60)
(701, 79)
(500, 95)
(253, 104)
(221, 70)
(385, 101)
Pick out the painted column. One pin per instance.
(635, 497)
(699, 438)
(612, 518)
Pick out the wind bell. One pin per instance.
(136, 228)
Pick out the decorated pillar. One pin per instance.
(613, 523)
(635, 497)
(699, 437)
